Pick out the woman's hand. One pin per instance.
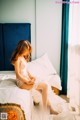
(30, 81)
(33, 79)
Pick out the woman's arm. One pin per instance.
(30, 76)
(20, 76)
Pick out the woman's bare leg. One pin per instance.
(42, 88)
(25, 86)
(52, 111)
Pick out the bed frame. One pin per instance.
(10, 35)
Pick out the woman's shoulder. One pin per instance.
(20, 59)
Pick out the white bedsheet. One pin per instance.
(10, 93)
(39, 114)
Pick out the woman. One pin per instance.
(20, 58)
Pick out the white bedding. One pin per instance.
(10, 93)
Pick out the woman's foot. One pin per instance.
(53, 111)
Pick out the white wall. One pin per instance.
(48, 30)
(45, 19)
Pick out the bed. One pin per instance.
(11, 94)
(10, 35)
(16, 102)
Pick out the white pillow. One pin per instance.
(54, 80)
(43, 69)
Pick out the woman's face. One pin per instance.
(26, 55)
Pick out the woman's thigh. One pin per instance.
(25, 86)
(41, 86)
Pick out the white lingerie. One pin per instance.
(23, 70)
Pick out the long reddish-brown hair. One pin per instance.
(21, 47)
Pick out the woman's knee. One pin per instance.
(42, 86)
(45, 86)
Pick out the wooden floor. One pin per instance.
(64, 97)
(76, 116)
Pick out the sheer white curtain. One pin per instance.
(74, 55)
